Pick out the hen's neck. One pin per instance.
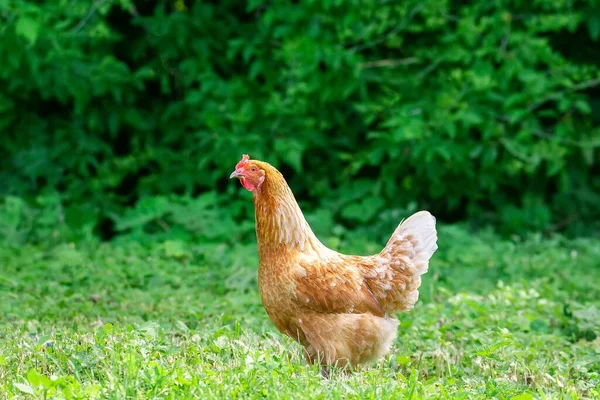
(279, 220)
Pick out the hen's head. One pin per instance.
(251, 173)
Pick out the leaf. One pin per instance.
(583, 106)
(291, 152)
(593, 24)
(522, 396)
(364, 210)
(146, 210)
(175, 249)
(12, 212)
(182, 326)
(539, 325)
(36, 379)
(403, 360)
(255, 69)
(488, 351)
(150, 328)
(93, 391)
(27, 28)
(588, 155)
(24, 388)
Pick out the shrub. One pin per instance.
(488, 110)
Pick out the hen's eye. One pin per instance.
(253, 169)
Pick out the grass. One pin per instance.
(164, 319)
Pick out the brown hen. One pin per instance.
(339, 307)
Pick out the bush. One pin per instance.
(488, 110)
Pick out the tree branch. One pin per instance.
(89, 15)
(550, 136)
(513, 152)
(388, 63)
(394, 31)
(566, 141)
(555, 95)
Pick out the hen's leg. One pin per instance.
(312, 357)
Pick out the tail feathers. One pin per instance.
(416, 236)
(395, 276)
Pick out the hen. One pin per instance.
(339, 307)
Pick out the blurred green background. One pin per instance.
(126, 117)
(128, 265)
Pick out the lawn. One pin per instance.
(497, 318)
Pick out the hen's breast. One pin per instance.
(276, 285)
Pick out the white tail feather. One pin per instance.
(420, 227)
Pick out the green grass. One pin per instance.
(496, 319)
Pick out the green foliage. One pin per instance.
(170, 319)
(206, 217)
(488, 110)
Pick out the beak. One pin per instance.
(236, 174)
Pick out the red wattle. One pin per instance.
(247, 184)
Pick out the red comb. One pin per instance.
(243, 162)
